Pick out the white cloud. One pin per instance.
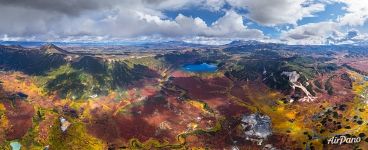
(332, 31)
(352, 36)
(231, 25)
(118, 23)
(276, 12)
(357, 12)
(94, 20)
(214, 5)
(312, 33)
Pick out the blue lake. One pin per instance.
(200, 68)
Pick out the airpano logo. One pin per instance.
(343, 139)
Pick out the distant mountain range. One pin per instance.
(241, 42)
(163, 45)
(146, 45)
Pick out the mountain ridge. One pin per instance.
(52, 49)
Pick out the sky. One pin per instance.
(196, 21)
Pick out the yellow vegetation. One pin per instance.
(4, 123)
(75, 138)
(2, 108)
(152, 144)
(200, 105)
(3, 120)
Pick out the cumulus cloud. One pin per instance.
(352, 36)
(275, 12)
(183, 4)
(312, 33)
(331, 31)
(69, 7)
(231, 25)
(115, 23)
(322, 33)
(96, 20)
(357, 12)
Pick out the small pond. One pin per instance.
(15, 145)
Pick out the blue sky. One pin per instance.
(198, 21)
